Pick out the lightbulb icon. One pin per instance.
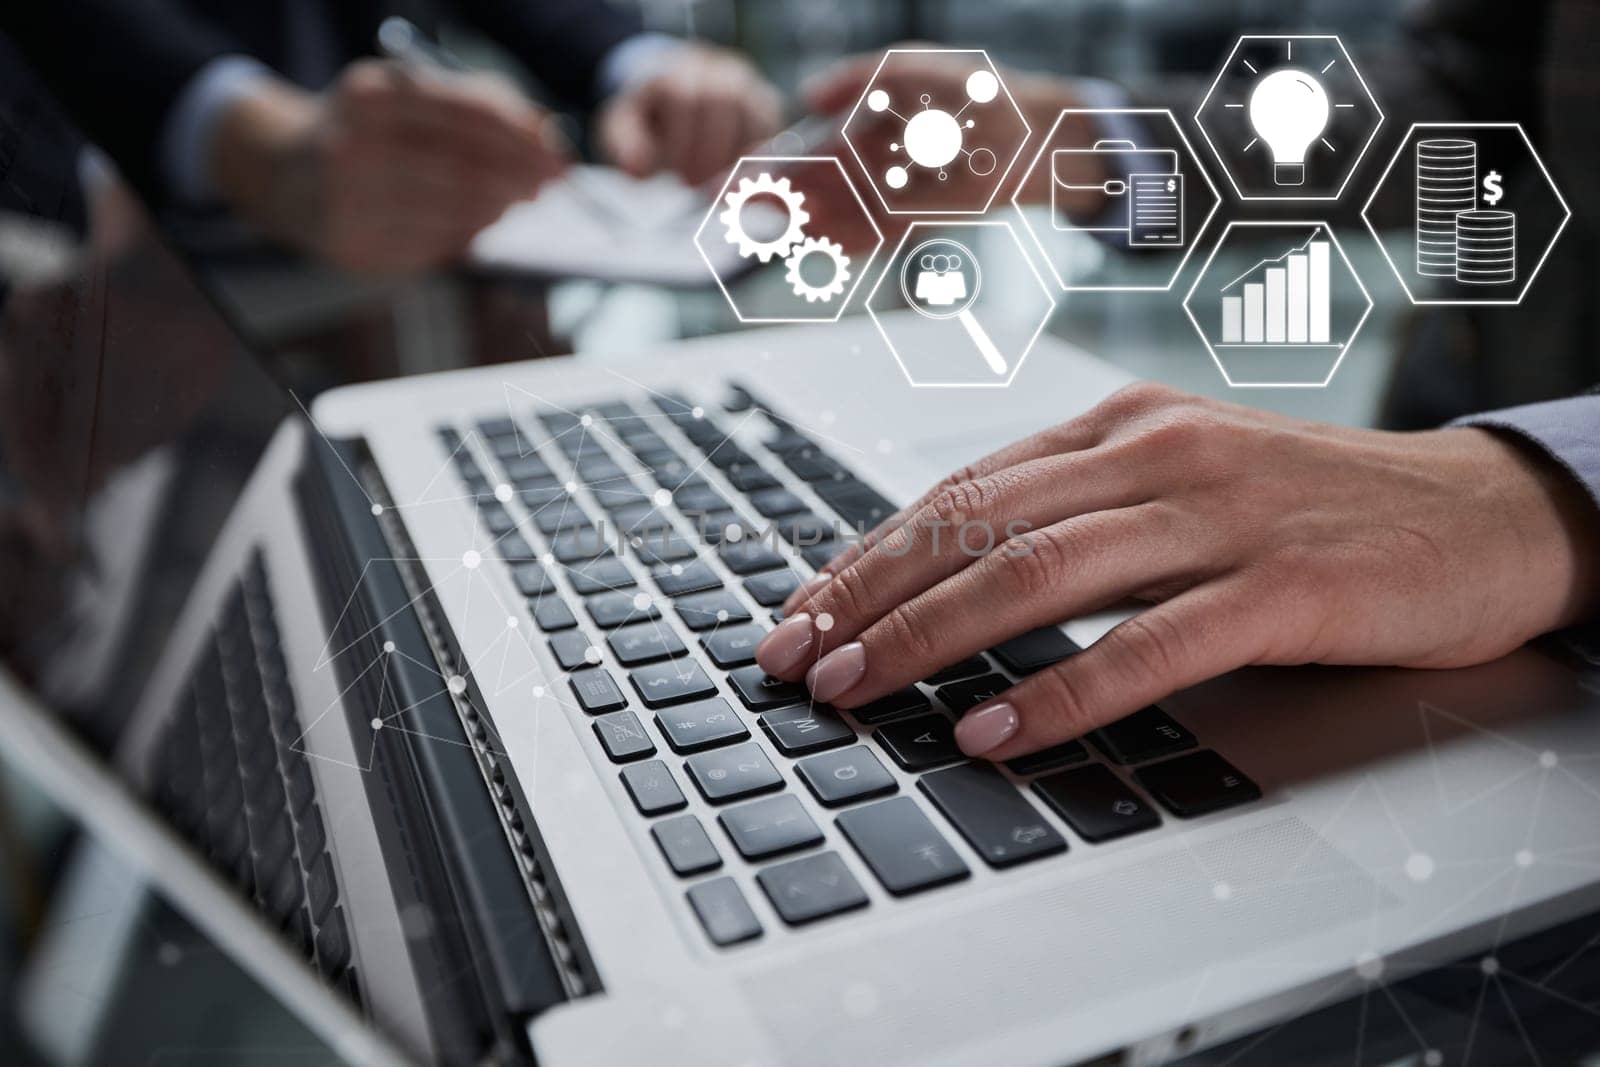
(1289, 109)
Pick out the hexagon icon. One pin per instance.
(1278, 304)
(1289, 117)
(1126, 178)
(1466, 213)
(936, 131)
(799, 236)
(960, 304)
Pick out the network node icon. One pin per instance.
(933, 137)
(948, 148)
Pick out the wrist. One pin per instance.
(1551, 518)
(255, 137)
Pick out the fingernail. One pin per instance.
(837, 672)
(986, 729)
(788, 645)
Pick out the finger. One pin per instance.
(717, 138)
(626, 137)
(1068, 437)
(1203, 633)
(678, 119)
(840, 86)
(1059, 572)
(968, 522)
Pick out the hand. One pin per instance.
(1258, 538)
(386, 170)
(692, 118)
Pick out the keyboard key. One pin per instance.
(560, 517)
(531, 579)
(551, 613)
(623, 736)
(775, 503)
(1197, 784)
(701, 725)
(761, 692)
(589, 542)
(672, 682)
(660, 546)
(526, 468)
(811, 888)
(1035, 650)
(633, 645)
(920, 743)
(987, 810)
(496, 518)
(960, 696)
(805, 529)
(856, 503)
(769, 827)
(702, 611)
(749, 478)
(801, 730)
(748, 556)
(846, 776)
(725, 774)
(733, 646)
(965, 669)
(515, 547)
(676, 579)
(810, 465)
(596, 691)
(902, 846)
(599, 576)
(893, 706)
(1049, 759)
(1144, 735)
(820, 555)
(609, 610)
(773, 588)
(652, 788)
(699, 499)
(685, 844)
(724, 453)
(1096, 803)
(571, 650)
(722, 910)
(712, 527)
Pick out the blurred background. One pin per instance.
(319, 327)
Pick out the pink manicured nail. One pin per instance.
(986, 729)
(788, 645)
(837, 672)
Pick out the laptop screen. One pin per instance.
(132, 417)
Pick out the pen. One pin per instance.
(400, 39)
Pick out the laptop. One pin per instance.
(449, 679)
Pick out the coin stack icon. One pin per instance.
(1486, 247)
(1447, 185)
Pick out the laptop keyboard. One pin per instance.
(653, 550)
(228, 776)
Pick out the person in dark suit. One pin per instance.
(269, 108)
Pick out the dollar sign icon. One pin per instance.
(1172, 185)
(1492, 192)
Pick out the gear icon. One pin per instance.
(823, 247)
(793, 201)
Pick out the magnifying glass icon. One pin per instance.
(940, 279)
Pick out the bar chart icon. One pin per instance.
(1282, 302)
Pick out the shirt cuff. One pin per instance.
(1567, 430)
(635, 59)
(186, 140)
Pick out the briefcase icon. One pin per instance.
(1143, 187)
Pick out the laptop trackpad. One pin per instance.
(1011, 962)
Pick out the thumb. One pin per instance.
(626, 137)
(838, 87)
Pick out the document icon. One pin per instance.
(1157, 211)
(1143, 189)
